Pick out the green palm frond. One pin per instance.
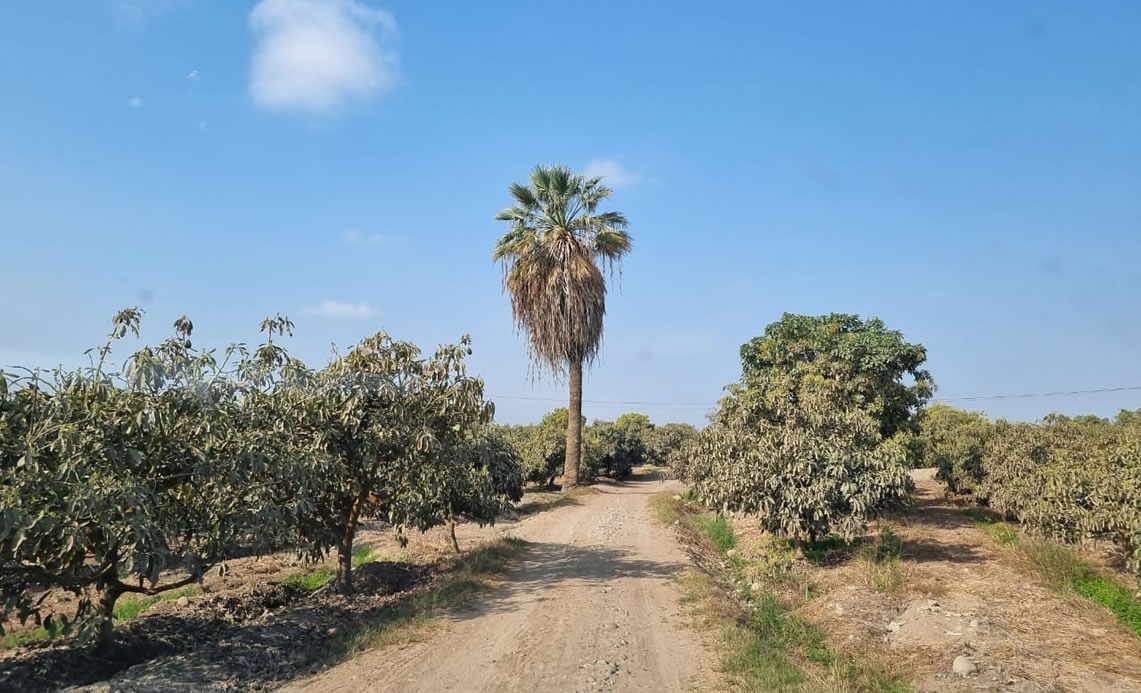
(550, 260)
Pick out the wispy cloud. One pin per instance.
(337, 310)
(193, 74)
(613, 173)
(135, 102)
(358, 237)
(134, 12)
(313, 55)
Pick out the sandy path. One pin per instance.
(590, 607)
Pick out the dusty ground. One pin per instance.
(589, 608)
(963, 594)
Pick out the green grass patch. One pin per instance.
(1002, 534)
(881, 565)
(408, 619)
(828, 549)
(764, 644)
(126, 608)
(989, 523)
(18, 639)
(1063, 569)
(311, 581)
(982, 517)
(1112, 595)
(363, 555)
(130, 607)
(317, 579)
(719, 531)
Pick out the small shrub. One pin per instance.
(828, 549)
(889, 546)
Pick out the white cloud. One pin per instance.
(358, 237)
(193, 74)
(313, 55)
(336, 310)
(613, 173)
(135, 102)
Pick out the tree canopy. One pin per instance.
(866, 364)
(807, 440)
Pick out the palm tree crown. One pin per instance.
(558, 292)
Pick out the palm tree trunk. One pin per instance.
(574, 427)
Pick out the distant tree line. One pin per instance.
(609, 448)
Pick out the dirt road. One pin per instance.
(590, 607)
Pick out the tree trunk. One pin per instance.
(574, 428)
(345, 565)
(452, 529)
(345, 550)
(105, 611)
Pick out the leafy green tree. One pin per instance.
(541, 447)
(486, 480)
(110, 479)
(880, 371)
(953, 441)
(808, 440)
(668, 440)
(386, 424)
(620, 446)
(1128, 417)
(550, 258)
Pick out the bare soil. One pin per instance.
(961, 593)
(590, 607)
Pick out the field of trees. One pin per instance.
(185, 457)
(137, 474)
(1069, 479)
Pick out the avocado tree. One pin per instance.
(810, 439)
(668, 440)
(383, 421)
(620, 445)
(109, 480)
(485, 479)
(542, 447)
(953, 441)
(867, 365)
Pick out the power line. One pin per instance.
(1027, 395)
(609, 401)
(1042, 394)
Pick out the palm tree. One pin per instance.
(550, 269)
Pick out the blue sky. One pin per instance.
(970, 172)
